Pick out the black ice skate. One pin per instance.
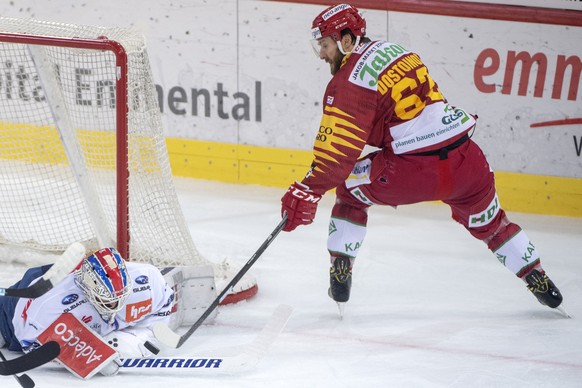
(340, 281)
(543, 289)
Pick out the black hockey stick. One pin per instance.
(24, 380)
(33, 359)
(168, 337)
(61, 268)
(37, 289)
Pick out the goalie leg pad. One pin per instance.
(194, 291)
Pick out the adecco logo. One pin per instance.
(82, 349)
(335, 10)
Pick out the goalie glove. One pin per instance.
(129, 343)
(300, 205)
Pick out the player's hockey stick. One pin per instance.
(168, 337)
(246, 359)
(33, 359)
(61, 268)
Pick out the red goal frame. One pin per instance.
(121, 89)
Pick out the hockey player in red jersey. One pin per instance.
(382, 95)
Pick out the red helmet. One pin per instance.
(333, 20)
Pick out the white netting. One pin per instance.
(47, 202)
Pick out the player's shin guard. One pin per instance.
(347, 229)
(520, 256)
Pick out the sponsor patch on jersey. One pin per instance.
(75, 305)
(135, 311)
(141, 288)
(169, 301)
(486, 216)
(329, 100)
(143, 279)
(360, 174)
(71, 298)
(360, 196)
(377, 58)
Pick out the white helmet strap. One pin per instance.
(341, 49)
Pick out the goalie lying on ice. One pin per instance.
(100, 312)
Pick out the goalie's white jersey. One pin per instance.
(150, 301)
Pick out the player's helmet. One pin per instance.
(104, 279)
(333, 20)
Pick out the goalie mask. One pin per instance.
(335, 19)
(105, 282)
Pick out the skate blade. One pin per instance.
(341, 308)
(563, 311)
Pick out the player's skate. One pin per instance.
(340, 281)
(545, 290)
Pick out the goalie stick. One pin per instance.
(168, 337)
(61, 268)
(33, 359)
(245, 359)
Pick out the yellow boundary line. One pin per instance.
(278, 167)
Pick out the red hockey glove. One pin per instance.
(300, 205)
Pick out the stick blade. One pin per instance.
(166, 335)
(66, 263)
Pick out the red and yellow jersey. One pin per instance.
(382, 96)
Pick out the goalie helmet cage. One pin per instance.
(82, 152)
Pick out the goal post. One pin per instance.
(83, 154)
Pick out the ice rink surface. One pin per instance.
(430, 306)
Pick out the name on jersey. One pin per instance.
(373, 62)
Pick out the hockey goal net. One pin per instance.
(82, 152)
(83, 157)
